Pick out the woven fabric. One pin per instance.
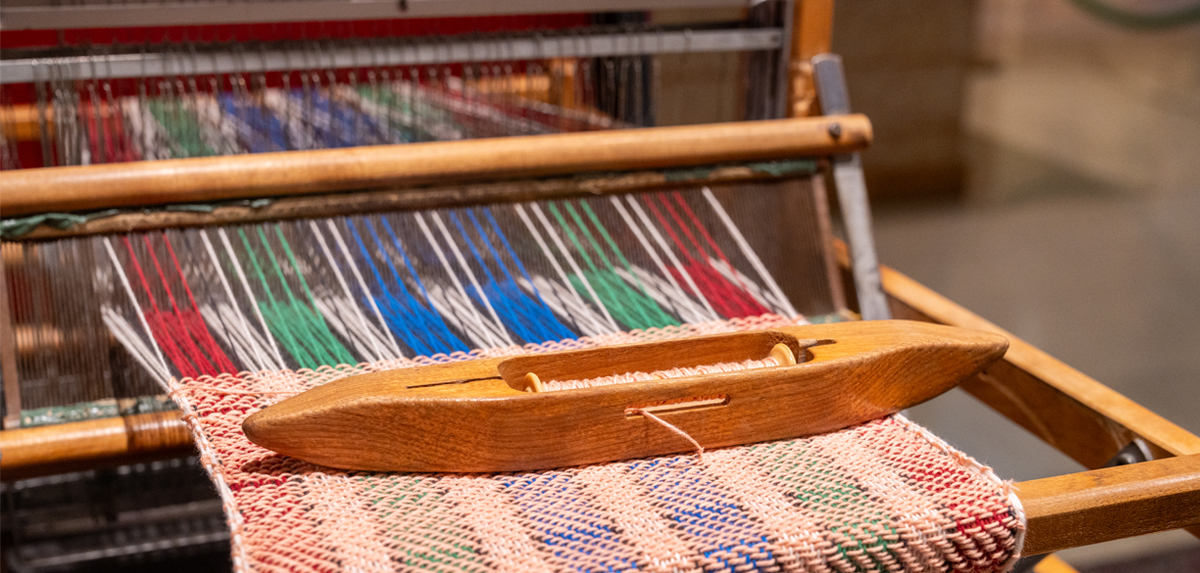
(885, 495)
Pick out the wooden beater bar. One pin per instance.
(209, 179)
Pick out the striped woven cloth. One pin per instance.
(882, 496)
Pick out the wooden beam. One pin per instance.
(1112, 503)
(209, 179)
(432, 197)
(1071, 411)
(47, 450)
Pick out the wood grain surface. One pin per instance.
(443, 196)
(477, 417)
(1111, 503)
(209, 179)
(46, 450)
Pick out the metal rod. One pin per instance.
(353, 56)
(209, 179)
(53, 15)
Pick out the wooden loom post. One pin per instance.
(8, 357)
(812, 34)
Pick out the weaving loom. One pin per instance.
(395, 256)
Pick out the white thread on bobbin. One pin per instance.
(629, 377)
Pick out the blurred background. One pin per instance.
(1041, 166)
(1036, 161)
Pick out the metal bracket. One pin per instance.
(1135, 452)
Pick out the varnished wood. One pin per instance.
(476, 416)
(1112, 503)
(46, 450)
(20, 122)
(436, 197)
(1068, 409)
(209, 179)
(812, 25)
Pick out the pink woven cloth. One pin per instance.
(882, 496)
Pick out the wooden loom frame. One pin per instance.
(1070, 411)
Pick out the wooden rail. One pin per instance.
(1112, 503)
(209, 179)
(47, 450)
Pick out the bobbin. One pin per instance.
(498, 415)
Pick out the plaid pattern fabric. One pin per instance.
(882, 496)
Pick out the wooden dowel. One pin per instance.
(20, 122)
(1112, 503)
(46, 450)
(209, 179)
